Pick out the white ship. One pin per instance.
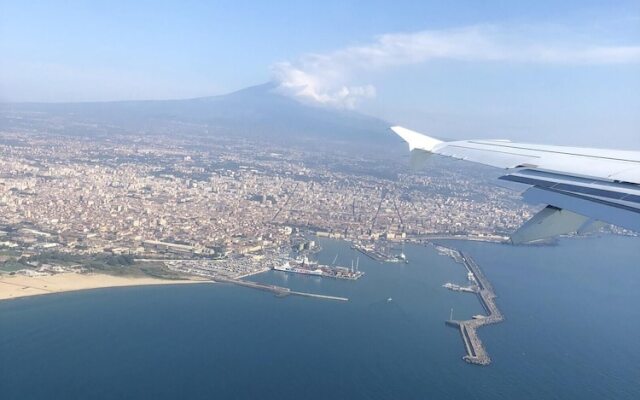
(306, 267)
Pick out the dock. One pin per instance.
(371, 253)
(376, 254)
(476, 353)
(222, 275)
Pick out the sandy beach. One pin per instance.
(15, 286)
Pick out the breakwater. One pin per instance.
(277, 290)
(476, 352)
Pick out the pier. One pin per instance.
(319, 296)
(476, 353)
(370, 252)
(277, 290)
(376, 254)
(229, 274)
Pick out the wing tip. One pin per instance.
(416, 140)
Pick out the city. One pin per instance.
(176, 198)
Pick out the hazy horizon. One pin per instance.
(545, 72)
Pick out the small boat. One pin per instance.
(389, 300)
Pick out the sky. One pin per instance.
(546, 71)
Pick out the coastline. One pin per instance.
(17, 286)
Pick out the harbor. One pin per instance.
(234, 271)
(476, 352)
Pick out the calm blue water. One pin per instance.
(571, 331)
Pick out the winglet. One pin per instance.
(416, 140)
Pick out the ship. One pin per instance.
(458, 288)
(306, 267)
(402, 258)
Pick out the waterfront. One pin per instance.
(569, 310)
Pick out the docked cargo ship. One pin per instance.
(306, 267)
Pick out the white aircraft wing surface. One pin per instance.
(581, 186)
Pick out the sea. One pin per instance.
(571, 331)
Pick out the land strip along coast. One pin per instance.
(16, 286)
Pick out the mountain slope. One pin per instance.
(257, 111)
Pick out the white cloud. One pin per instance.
(308, 83)
(324, 78)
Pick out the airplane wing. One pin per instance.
(583, 187)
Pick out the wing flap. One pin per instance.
(549, 222)
(628, 175)
(596, 209)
